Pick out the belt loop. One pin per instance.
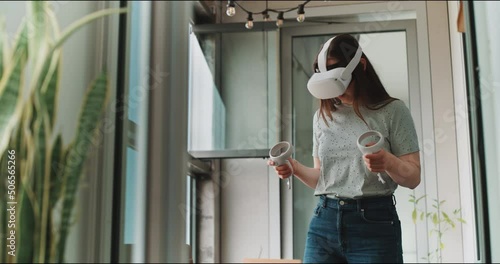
(324, 200)
(393, 199)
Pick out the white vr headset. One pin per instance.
(333, 83)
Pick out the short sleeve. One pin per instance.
(315, 138)
(402, 134)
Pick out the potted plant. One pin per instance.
(441, 222)
(37, 195)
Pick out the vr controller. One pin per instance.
(370, 137)
(280, 153)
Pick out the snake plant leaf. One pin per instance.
(26, 231)
(15, 144)
(10, 85)
(41, 182)
(56, 167)
(3, 46)
(83, 21)
(3, 208)
(37, 25)
(47, 89)
(27, 215)
(92, 109)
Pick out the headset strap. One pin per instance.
(352, 64)
(323, 54)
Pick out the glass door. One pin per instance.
(392, 52)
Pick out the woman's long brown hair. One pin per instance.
(369, 91)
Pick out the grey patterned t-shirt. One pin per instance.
(343, 172)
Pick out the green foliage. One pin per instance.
(441, 223)
(47, 173)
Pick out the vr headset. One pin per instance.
(333, 83)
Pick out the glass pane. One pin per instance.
(488, 40)
(387, 53)
(233, 108)
(244, 210)
(133, 187)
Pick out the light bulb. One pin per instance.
(301, 18)
(279, 20)
(231, 11)
(301, 14)
(249, 24)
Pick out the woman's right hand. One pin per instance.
(284, 171)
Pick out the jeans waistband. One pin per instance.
(357, 203)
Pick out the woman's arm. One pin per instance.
(309, 176)
(404, 170)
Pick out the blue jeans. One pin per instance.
(354, 231)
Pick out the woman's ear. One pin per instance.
(363, 61)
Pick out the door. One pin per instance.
(393, 53)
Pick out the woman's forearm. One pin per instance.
(309, 176)
(404, 171)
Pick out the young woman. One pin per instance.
(356, 220)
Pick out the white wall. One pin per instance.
(444, 128)
(460, 114)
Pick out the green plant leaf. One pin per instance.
(26, 230)
(3, 46)
(448, 220)
(37, 26)
(3, 207)
(461, 220)
(42, 182)
(85, 20)
(56, 170)
(50, 93)
(93, 106)
(422, 216)
(414, 216)
(10, 85)
(420, 198)
(445, 215)
(46, 87)
(435, 219)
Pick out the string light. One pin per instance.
(249, 24)
(265, 15)
(279, 20)
(231, 8)
(301, 14)
(231, 11)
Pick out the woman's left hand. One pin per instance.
(378, 161)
